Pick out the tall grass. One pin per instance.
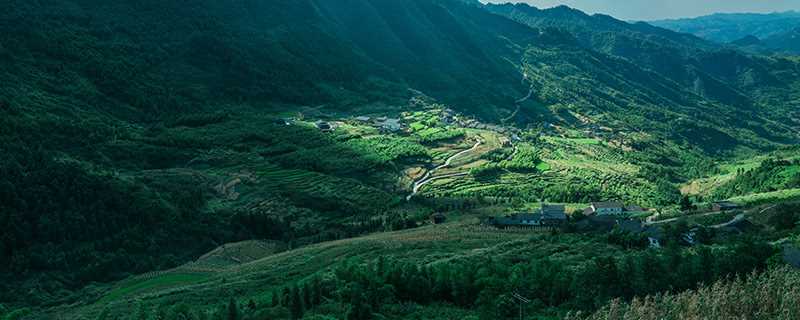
(772, 295)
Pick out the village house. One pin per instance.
(391, 125)
(654, 234)
(605, 208)
(505, 142)
(438, 218)
(323, 126)
(553, 215)
(548, 215)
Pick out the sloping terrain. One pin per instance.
(767, 296)
(137, 135)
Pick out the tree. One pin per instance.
(276, 298)
(359, 309)
(296, 306)
(233, 310)
(316, 287)
(686, 203)
(784, 219)
(104, 314)
(251, 305)
(307, 299)
(142, 312)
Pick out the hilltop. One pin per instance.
(729, 27)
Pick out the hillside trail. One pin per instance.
(735, 219)
(428, 177)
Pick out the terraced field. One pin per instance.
(319, 186)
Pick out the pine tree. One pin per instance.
(104, 315)
(141, 312)
(316, 285)
(233, 310)
(307, 300)
(359, 309)
(286, 297)
(276, 298)
(296, 303)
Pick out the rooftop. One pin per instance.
(607, 205)
(554, 212)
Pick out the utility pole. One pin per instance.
(522, 300)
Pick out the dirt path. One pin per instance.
(737, 218)
(650, 222)
(428, 177)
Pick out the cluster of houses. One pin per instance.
(385, 124)
(555, 215)
(547, 215)
(599, 216)
(613, 208)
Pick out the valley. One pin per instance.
(382, 159)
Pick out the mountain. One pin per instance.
(304, 52)
(651, 67)
(137, 135)
(729, 27)
(785, 42)
(749, 40)
(144, 122)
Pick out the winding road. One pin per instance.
(428, 177)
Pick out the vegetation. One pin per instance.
(135, 136)
(769, 295)
(771, 175)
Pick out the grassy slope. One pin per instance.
(428, 245)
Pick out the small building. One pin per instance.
(438, 218)
(505, 142)
(323, 126)
(548, 215)
(391, 125)
(725, 206)
(553, 215)
(605, 208)
(516, 220)
(363, 119)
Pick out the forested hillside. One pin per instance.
(768, 33)
(136, 135)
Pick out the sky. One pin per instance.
(665, 9)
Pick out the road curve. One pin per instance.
(428, 177)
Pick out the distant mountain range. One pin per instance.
(775, 32)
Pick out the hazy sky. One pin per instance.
(663, 9)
